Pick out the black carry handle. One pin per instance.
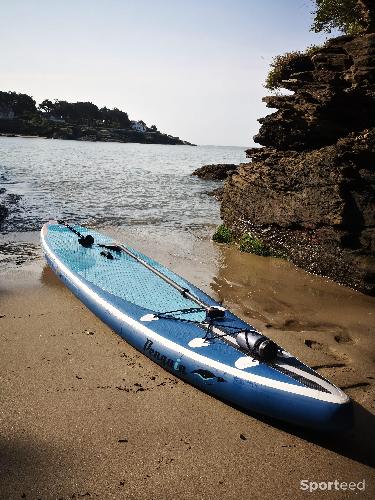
(86, 241)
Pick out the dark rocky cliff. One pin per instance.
(310, 190)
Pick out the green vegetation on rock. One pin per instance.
(251, 244)
(248, 243)
(223, 235)
(284, 65)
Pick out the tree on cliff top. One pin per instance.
(351, 17)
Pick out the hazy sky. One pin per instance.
(194, 68)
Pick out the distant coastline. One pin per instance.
(82, 121)
(80, 133)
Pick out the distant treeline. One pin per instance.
(17, 105)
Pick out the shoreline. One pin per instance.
(92, 134)
(23, 136)
(86, 414)
(18, 136)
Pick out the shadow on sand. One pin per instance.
(356, 443)
(25, 466)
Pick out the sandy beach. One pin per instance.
(84, 415)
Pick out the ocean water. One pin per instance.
(109, 184)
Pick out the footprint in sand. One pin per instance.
(330, 351)
(337, 333)
(343, 339)
(355, 386)
(313, 344)
(329, 365)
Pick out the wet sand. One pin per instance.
(84, 415)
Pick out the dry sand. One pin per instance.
(84, 415)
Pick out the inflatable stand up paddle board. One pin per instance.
(188, 333)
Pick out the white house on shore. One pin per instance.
(138, 126)
(57, 119)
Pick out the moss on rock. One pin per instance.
(251, 244)
(223, 235)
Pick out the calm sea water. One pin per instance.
(109, 184)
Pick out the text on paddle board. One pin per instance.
(162, 359)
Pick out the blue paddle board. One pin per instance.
(188, 333)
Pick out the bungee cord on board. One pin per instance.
(249, 341)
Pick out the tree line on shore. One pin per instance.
(23, 106)
(59, 119)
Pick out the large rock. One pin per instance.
(311, 191)
(3, 213)
(217, 172)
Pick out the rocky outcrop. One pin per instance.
(333, 95)
(3, 213)
(217, 172)
(310, 190)
(9, 205)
